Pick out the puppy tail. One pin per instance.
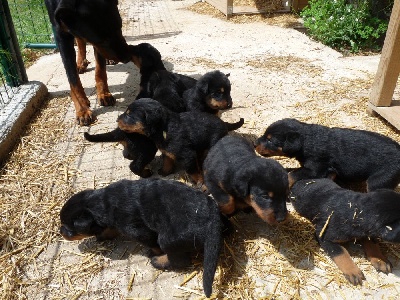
(116, 135)
(212, 248)
(234, 126)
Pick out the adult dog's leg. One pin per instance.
(81, 62)
(83, 113)
(104, 96)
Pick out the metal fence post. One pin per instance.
(10, 57)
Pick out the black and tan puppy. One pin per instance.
(148, 59)
(167, 88)
(170, 218)
(238, 178)
(211, 93)
(354, 155)
(137, 147)
(182, 138)
(341, 215)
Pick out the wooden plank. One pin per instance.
(389, 64)
(391, 114)
(227, 8)
(249, 10)
(221, 5)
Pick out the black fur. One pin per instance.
(238, 178)
(170, 218)
(167, 88)
(184, 138)
(353, 155)
(341, 215)
(148, 59)
(138, 148)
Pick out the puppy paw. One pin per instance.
(160, 262)
(106, 99)
(355, 278)
(381, 265)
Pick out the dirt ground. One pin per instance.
(276, 72)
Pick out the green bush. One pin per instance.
(345, 25)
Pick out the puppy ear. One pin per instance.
(228, 74)
(292, 143)
(84, 222)
(204, 88)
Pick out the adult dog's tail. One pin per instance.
(234, 126)
(212, 248)
(116, 135)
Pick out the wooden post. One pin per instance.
(389, 64)
(380, 98)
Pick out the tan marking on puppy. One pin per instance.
(168, 163)
(228, 208)
(291, 179)
(266, 215)
(268, 152)
(161, 261)
(214, 104)
(349, 268)
(137, 61)
(131, 128)
(376, 257)
(76, 237)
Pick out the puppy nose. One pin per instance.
(281, 217)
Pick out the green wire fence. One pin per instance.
(23, 24)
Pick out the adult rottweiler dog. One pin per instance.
(354, 155)
(238, 178)
(341, 215)
(167, 88)
(181, 137)
(137, 147)
(211, 93)
(170, 218)
(97, 22)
